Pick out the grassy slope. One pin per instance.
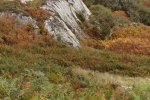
(65, 73)
(38, 68)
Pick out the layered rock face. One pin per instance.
(65, 21)
(60, 31)
(63, 25)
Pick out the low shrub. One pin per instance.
(39, 14)
(100, 22)
(137, 10)
(120, 14)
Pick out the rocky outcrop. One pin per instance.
(67, 21)
(63, 25)
(67, 11)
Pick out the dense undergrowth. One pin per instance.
(112, 66)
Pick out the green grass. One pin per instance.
(103, 61)
(43, 72)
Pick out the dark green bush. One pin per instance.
(101, 21)
(113, 4)
(134, 8)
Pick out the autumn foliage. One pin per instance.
(131, 39)
(39, 14)
(14, 33)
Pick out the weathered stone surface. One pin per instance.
(67, 11)
(59, 30)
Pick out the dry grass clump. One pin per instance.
(121, 87)
(93, 43)
(13, 33)
(120, 14)
(106, 78)
(130, 45)
(133, 30)
(39, 14)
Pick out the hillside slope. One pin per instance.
(38, 61)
